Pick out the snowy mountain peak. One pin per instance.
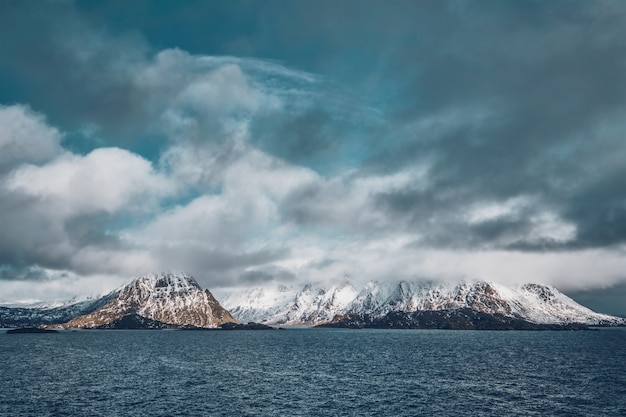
(175, 299)
(164, 284)
(544, 292)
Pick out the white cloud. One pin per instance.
(203, 98)
(244, 209)
(107, 179)
(65, 209)
(566, 270)
(492, 210)
(25, 137)
(544, 224)
(393, 258)
(547, 226)
(51, 211)
(226, 89)
(345, 204)
(241, 211)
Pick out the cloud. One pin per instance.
(344, 204)
(94, 213)
(57, 287)
(24, 273)
(107, 179)
(431, 139)
(85, 78)
(139, 98)
(64, 213)
(236, 224)
(25, 137)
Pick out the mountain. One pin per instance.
(45, 314)
(135, 321)
(176, 300)
(170, 299)
(290, 305)
(532, 303)
(457, 319)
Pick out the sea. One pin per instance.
(313, 372)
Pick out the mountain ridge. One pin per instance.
(169, 300)
(308, 305)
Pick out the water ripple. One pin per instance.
(314, 372)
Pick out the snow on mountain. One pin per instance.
(310, 305)
(168, 298)
(49, 313)
(51, 304)
(177, 299)
(546, 304)
(284, 305)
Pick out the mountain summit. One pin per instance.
(170, 299)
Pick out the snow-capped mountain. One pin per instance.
(534, 303)
(174, 299)
(284, 305)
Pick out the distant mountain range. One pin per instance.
(308, 305)
(158, 301)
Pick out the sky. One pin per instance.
(250, 142)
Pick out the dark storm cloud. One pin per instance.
(257, 277)
(549, 79)
(22, 273)
(85, 230)
(35, 237)
(20, 245)
(308, 138)
(523, 96)
(57, 61)
(529, 98)
(218, 267)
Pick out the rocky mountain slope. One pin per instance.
(173, 299)
(457, 319)
(309, 305)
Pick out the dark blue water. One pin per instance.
(314, 372)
